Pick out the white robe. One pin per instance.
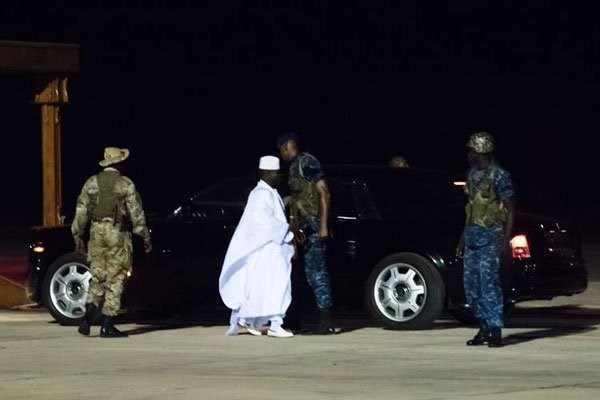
(255, 278)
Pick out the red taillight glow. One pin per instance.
(520, 247)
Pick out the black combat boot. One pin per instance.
(108, 329)
(84, 326)
(482, 336)
(495, 338)
(326, 325)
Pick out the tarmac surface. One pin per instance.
(552, 352)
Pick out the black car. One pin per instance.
(394, 234)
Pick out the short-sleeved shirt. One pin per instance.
(503, 187)
(476, 236)
(308, 166)
(305, 172)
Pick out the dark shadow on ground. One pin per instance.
(550, 322)
(540, 322)
(160, 326)
(544, 321)
(518, 338)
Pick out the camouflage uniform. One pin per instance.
(109, 248)
(483, 239)
(305, 172)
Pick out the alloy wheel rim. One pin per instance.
(400, 292)
(68, 289)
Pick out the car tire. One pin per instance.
(405, 291)
(65, 287)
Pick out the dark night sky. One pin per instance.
(199, 90)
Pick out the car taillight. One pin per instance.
(520, 247)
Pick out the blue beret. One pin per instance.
(286, 137)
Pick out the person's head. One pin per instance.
(114, 157)
(398, 162)
(288, 146)
(481, 149)
(268, 170)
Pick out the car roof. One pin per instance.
(383, 171)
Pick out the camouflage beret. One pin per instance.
(481, 142)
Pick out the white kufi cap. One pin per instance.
(269, 163)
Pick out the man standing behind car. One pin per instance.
(489, 222)
(111, 205)
(309, 211)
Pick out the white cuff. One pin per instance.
(288, 237)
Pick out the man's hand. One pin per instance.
(80, 246)
(149, 253)
(324, 232)
(294, 226)
(460, 248)
(147, 246)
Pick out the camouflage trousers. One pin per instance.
(109, 254)
(481, 277)
(315, 267)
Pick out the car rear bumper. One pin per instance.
(544, 281)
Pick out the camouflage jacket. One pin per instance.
(129, 206)
(305, 172)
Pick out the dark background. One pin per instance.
(200, 90)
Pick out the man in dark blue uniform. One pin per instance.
(309, 211)
(488, 228)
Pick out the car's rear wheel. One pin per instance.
(405, 291)
(65, 288)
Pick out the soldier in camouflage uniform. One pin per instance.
(110, 205)
(309, 211)
(489, 222)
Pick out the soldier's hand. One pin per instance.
(460, 248)
(294, 225)
(80, 246)
(147, 247)
(324, 232)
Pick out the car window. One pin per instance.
(232, 191)
(351, 198)
(416, 197)
(342, 198)
(364, 201)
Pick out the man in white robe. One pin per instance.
(255, 279)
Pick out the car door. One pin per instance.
(350, 207)
(192, 243)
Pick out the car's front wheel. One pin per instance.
(405, 291)
(65, 288)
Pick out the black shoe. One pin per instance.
(324, 330)
(495, 338)
(480, 338)
(325, 327)
(84, 326)
(108, 330)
